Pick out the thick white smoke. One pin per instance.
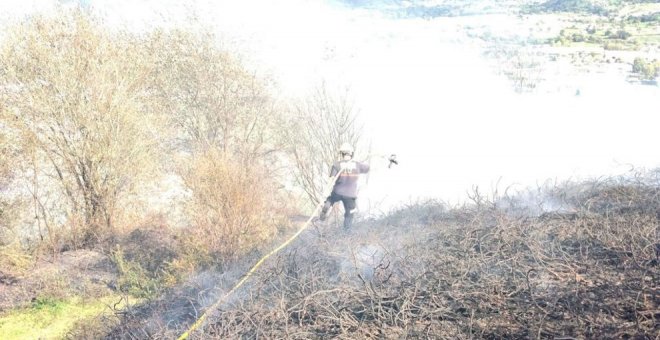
(427, 93)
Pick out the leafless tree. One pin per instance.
(319, 125)
(78, 94)
(212, 99)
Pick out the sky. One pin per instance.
(426, 93)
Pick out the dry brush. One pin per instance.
(472, 271)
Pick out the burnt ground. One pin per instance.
(427, 271)
(483, 270)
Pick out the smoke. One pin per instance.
(428, 94)
(427, 91)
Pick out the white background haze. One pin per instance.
(425, 92)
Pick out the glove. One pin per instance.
(392, 160)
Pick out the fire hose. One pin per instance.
(316, 212)
(201, 319)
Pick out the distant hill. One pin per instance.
(598, 7)
(448, 8)
(576, 6)
(432, 9)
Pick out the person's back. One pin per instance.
(345, 187)
(346, 184)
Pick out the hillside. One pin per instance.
(491, 269)
(144, 170)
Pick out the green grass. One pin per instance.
(49, 318)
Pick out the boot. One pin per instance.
(348, 221)
(324, 211)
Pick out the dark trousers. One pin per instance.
(349, 207)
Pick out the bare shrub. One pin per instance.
(233, 207)
(14, 262)
(484, 274)
(636, 192)
(523, 67)
(475, 271)
(524, 70)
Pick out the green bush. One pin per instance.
(621, 35)
(645, 18)
(594, 39)
(618, 45)
(647, 70)
(133, 279)
(571, 6)
(577, 37)
(47, 302)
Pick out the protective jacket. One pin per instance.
(346, 184)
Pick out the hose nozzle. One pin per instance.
(392, 160)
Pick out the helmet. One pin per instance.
(346, 148)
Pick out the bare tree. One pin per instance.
(79, 94)
(524, 71)
(522, 66)
(212, 99)
(319, 124)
